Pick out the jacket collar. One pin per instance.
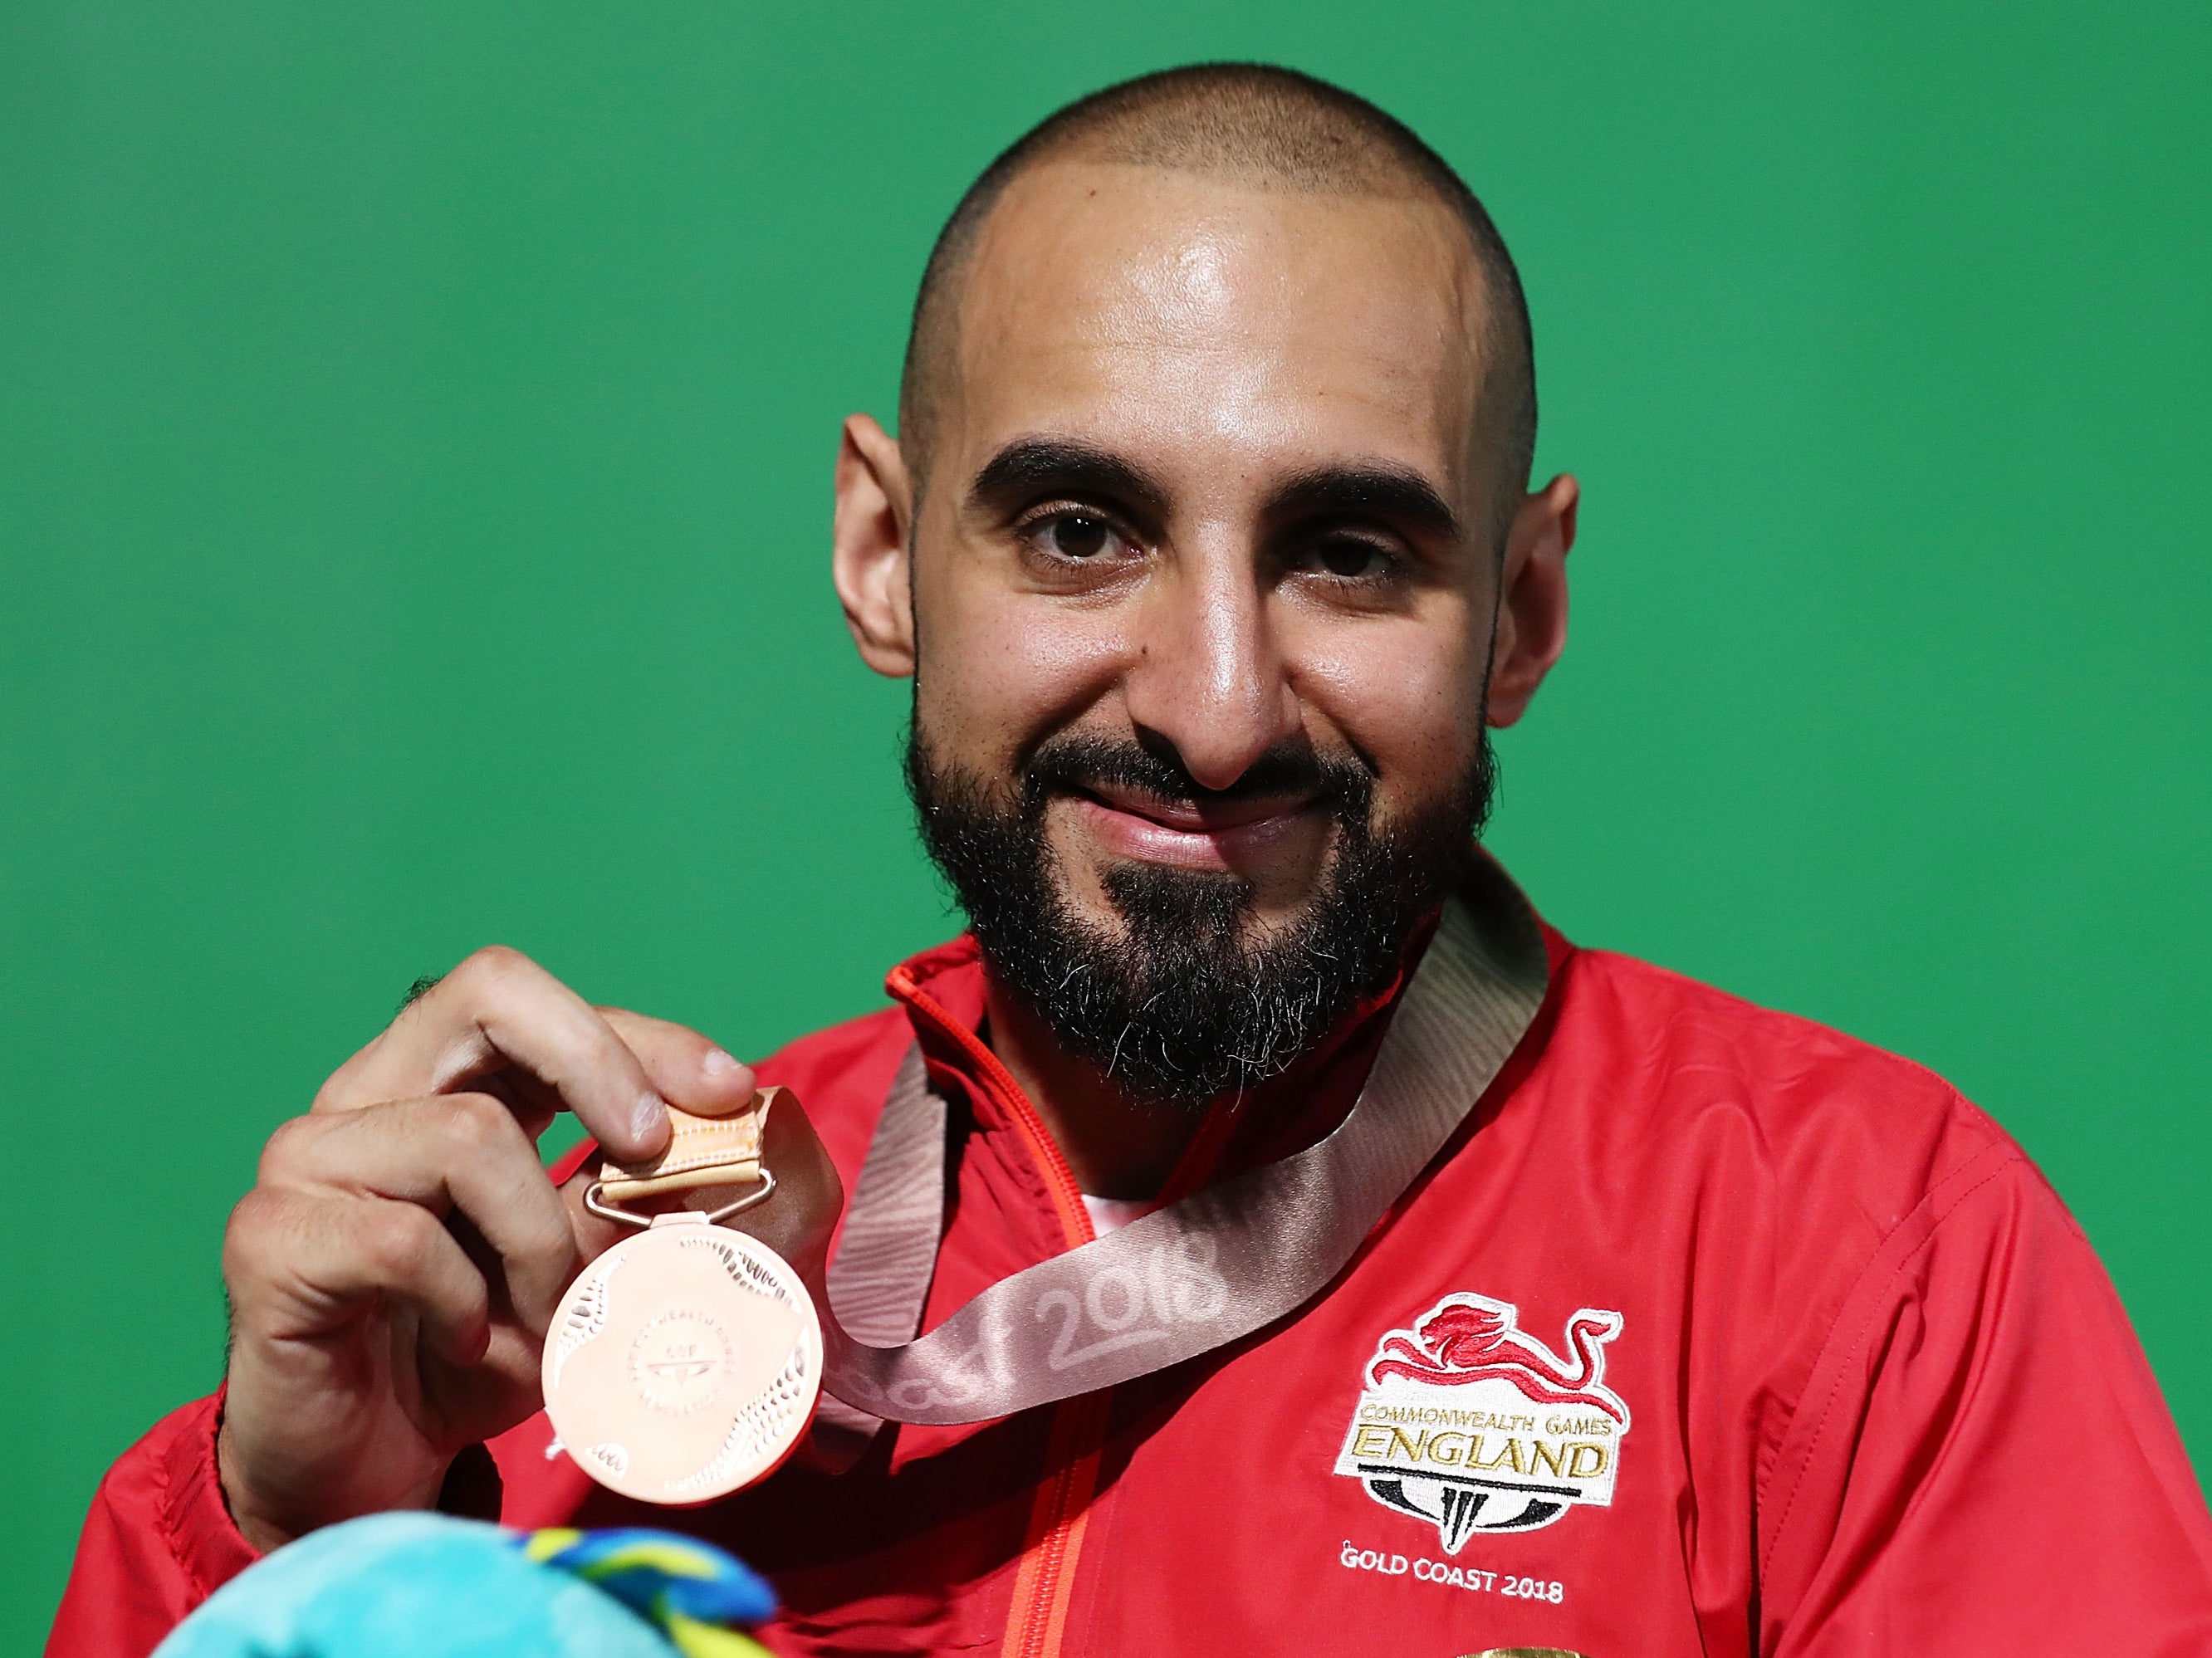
(942, 990)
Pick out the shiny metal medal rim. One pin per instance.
(810, 1337)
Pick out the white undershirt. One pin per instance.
(1112, 1214)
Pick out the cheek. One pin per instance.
(1407, 696)
(1000, 669)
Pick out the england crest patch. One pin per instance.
(1468, 1424)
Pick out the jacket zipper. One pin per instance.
(1036, 1620)
(1044, 1584)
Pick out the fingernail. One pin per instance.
(651, 1121)
(719, 1064)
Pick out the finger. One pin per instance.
(499, 1010)
(797, 1221)
(451, 1152)
(687, 1069)
(299, 1267)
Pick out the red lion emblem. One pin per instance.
(1468, 1337)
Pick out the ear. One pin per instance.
(1532, 597)
(871, 546)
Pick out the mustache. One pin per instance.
(1178, 1001)
(1075, 764)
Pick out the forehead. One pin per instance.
(1188, 315)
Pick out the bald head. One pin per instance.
(1261, 128)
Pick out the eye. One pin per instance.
(1351, 558)
(1077, 536)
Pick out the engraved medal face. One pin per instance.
(684, 1363)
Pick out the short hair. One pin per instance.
(1258, 122)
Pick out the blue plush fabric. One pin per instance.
(429, 1586)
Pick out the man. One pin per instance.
(1208, 542)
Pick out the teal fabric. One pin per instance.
(677, 1581)
(429, 1586)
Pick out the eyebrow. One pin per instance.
(1030, 464)
(1368, 490)
(1358, 490)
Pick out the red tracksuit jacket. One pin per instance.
(1751, 1338)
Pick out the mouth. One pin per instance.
(1228, 834)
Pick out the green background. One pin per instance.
(415, 445)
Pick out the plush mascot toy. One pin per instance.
(429, 1586)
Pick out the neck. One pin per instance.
(1114, 1148)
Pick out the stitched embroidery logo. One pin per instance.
(1468, 1424)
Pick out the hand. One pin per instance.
(393, 1269)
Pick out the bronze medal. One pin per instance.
(684, 1363)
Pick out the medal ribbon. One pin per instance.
(701, 1152)
(1185, 1279)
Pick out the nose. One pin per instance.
(1205, 675)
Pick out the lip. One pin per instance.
(1229, 835)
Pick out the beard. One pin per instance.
(1194, 998)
